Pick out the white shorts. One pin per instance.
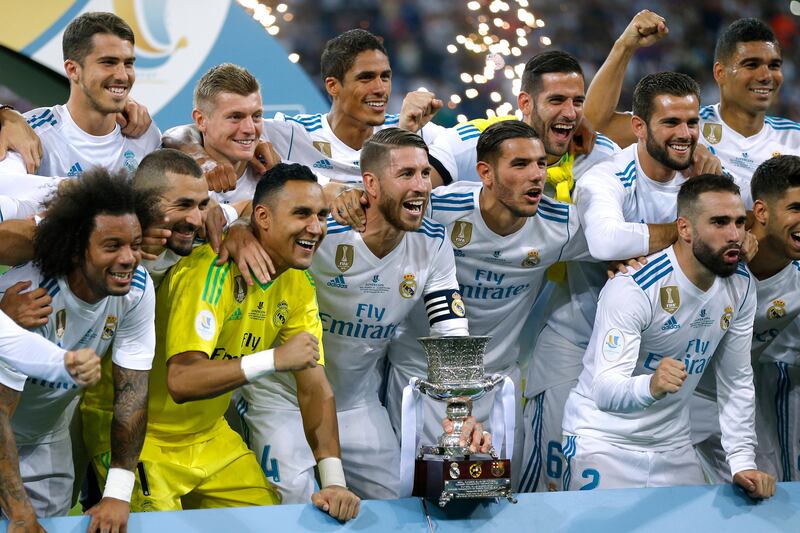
(542, 461)
(279, 442)
(777, 423)
(543, 466)
(48, 475)
(595, 464)
(707, 439)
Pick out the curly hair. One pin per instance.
(61, 239)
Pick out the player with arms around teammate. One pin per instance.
(98, 61)
(100, 296)
(215, 333)
(626, 424)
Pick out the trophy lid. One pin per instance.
(455, 361)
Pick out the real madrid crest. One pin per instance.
(458, 305)
(725, 319)
(281, 314)
(110, 327)
(61, 323)
(670, 298)
(408, 287)
(776, 310)
(239, 289)
(532, 260)
(712, 132)
(324, 147)
(344, 257)
(462, 233)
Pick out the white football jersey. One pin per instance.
(43, 414)
(245, 188)
(741, 155)
(776, 323)
(654, 313)
(362, 301)
(499, 276)
(68, 150)
(309, 140)
(21, 194)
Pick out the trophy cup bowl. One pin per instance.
(448, 470)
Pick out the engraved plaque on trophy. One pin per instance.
(446, 470)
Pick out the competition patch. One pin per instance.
(61, 323)
(776, 310)
(109, 328)
(532, 260)
(205, 325)
(670, 298)
(408, 287)
(712, 132)
(725, 319)
(462, 233)
(613, 345)
(344, 257)
(281, 314)
(475, 470)
(324, 147)
(239, 289)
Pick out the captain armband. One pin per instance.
(444, 305)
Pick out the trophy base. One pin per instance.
(445, 478)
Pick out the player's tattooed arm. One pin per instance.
(130, 416)
(13, 499)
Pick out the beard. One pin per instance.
(660, 154)
(390, 209)
(181, 248)
(713, 259)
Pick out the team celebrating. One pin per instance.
(234, 313)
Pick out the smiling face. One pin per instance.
(672, 132)
(292, 225)
(185, 203)
(231, 126)
(112, 254)
(364, 92)
(751, 78)
(783, 223)
(517, 177)
(555, 110)
(403, 188)
(718, 231)
(104, 78)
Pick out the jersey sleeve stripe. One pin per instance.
(339, 229)
(562, 220)
(742, 270)
(652, 270)
(221, 283)
(211, 280)
(392, 118)
(431, 234)
(645, 285)
(603, 140)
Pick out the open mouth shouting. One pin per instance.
(732, 255)
(414, 206)
(533, 195)
(563, 131)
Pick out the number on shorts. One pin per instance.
(591, 473)
(554, 464)
(270, 466)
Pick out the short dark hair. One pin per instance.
(652, 85)
(377, 147)
(775, 176)
(77, 43)
(692, 189)
(275, 179)
(491, 140)
(60, 241)
(341, 51)
(546, 63)
(741, 31)
(152, 171)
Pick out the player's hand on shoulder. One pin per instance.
(348, 208)
(154, 239)
(28, 309)
(418, 109)
(757, 484)
(338, 502)
(264, 158)
(749, 247)
(220, 177)
(84, 366)
(704, 162)
(301, 351)
(645, 29)
(472, 434)
(17, 135)
(242, 246)
(110, 514)
(668, 377)
(134, 119)
(621, 267)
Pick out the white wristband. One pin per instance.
(331, 472)
(258, 364)
(119, 484)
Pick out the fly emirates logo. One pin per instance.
(367, 324)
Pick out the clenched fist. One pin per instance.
(668, 378)
(84, 366)
(298, 353)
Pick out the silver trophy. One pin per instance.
(448, 470)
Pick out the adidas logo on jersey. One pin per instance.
(338, 282)
(670, 324)
(75, 170)
(323, 163)
(237, 315)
